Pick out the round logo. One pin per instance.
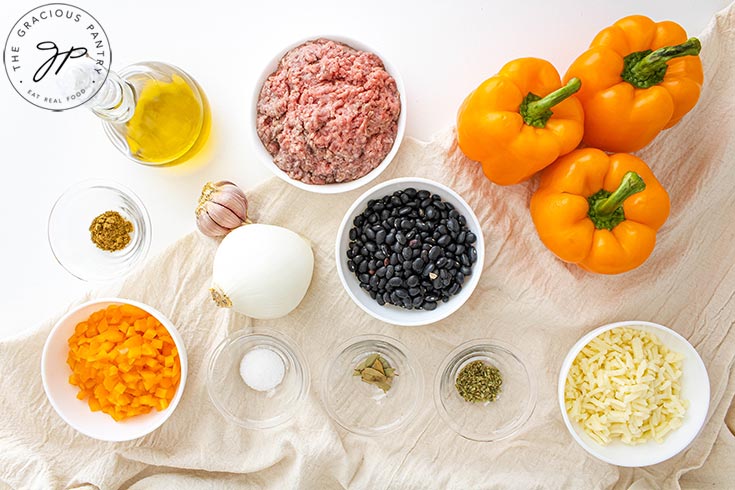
(57, 56)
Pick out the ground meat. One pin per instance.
(329, 113)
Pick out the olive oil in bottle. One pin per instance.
(154, 113)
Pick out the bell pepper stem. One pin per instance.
(631, 183)
(644, 69)
(536, 111)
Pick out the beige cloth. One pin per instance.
(526, 297)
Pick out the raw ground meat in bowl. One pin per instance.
(329, 115)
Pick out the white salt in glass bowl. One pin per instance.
(61, 394)
(336, 188)
(394, 314)
(694, 388)
(245, 406)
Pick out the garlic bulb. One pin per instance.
(222, 207)
(262, 271)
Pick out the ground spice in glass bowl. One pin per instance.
(110, 231)
(99, 230)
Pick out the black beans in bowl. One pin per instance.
(411, 249)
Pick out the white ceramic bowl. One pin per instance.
(694, 388)
(394, 314)
(266, 157)
(55, 374)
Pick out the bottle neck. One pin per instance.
(115, 102)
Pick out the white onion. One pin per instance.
(262, 271)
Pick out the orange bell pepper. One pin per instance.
(508, 124)
(639, 77)
(600, 211)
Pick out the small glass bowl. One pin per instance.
(69, 236)
(247, 407)
(488, 421)
(363, 408)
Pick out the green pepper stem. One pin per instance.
(644, 69)
(537, 111)
(632, 183)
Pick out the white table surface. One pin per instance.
(442, 49)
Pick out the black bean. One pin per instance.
(373, 218)
(371, 247)
(435, 252)
(466, 270)
(381, 271)
(374, 282)
(372, 265)
(380, 300)
(473, 255)
(417, 301)
(359, 220)
(411, 235)
(380, 255)
(401, 293)
(395, 281)
(431, 212)
(413, 281)
(444, 240)
(395, 200)
(436, 197)
(364, 278)
(429, 305)
(428, 269)
(432, 298)
(453, 224)
(353, 233)
(407, 224)
(390, 239)
(459, 277)
(425, 203)
(404, 211)
(459, 249)
(410, 192)
(394, 259)
(442, 262)
(404, 197)
(418, 265)
(401, 238)
(437, 283)
(363, 267)
(454, 289)
(351, 265)
(407, 253)
(407, 265)
(423, 194)
(471, 238)
(380, 236)
(461, 237)
(465, 259)
(452, 247)
(424, 255)
(413, 292)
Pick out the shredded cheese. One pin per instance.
(625, 385)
